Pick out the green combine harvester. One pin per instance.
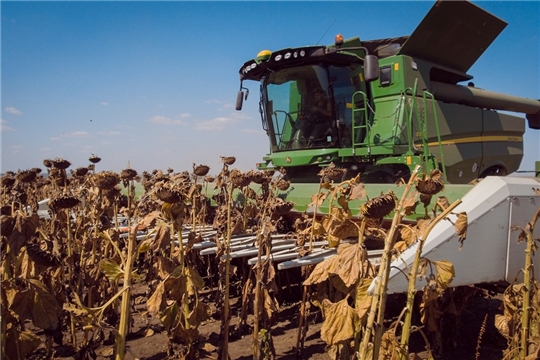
(385, 107)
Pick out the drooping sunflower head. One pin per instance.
(63, 202)
(432, 184)
(239, 179)
(167, 193)
(380, 206)
(228, 160)
(128, 174)
(283, 184)
(333, 172)
(200, 170)
(48, 163)
(106, 180)
(279, 206)
(81, 171)
(61, 164)
(94, 159)
(26, 176)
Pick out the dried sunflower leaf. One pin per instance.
(26, 343)
(157, 301)
(362, 302)
(111, 269)
(199, 314)
(340, 321)
(357, 192)
(445, 273)
(461, 227)
(45, 310)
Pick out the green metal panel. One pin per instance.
(453, 34)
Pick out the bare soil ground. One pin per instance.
(148, 340)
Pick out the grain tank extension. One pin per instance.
(393, 104)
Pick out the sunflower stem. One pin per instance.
(411, 291)
(525, 317)
(378, 302)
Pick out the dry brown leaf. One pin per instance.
(445, 273)
(22, 344)
(111, 269)
(461, 227)
(430, 314)
(199, 314)
(322, 271)
(157, 301)
(357, 192)
(271, 305)
(340, 321)
(45, 310)
(362, 302)
(351, 257)
(501, 323)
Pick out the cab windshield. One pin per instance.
(310, 106)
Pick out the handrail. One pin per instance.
(365, 124)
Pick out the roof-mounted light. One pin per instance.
(264, 55)
(338, 40)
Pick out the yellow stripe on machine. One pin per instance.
(476, 139)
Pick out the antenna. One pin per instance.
(326, 32)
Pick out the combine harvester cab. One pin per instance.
(396, 104)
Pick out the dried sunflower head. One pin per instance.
(333, 172)
(106, 180)
(63, 202)
(113, 192)
(209, 178)
(228, 160)
(26, 176)
(128, 174)
(170, 170)
(239, 179)
(60, 163)
(48, 163)
(168, 194)
(432, 184)
(36, 170)
(259, 177)
(380, 206)
(280, 207)
(94, 159)
(81, 171)
(200, 170)
(283, 184)
(8, 181)
(91, 167)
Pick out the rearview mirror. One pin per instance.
(239, 100)
(371, 68)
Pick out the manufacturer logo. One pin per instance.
(288, 159)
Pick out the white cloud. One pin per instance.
(104, 103)
(167, 121)
(218, 123)
(4, 127)
(15, 149)
(77, 134)
(55, 138)
(110, 133)
(214, 101)
(12, 110)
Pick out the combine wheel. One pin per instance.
(494, 171)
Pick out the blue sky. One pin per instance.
(154, 83)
